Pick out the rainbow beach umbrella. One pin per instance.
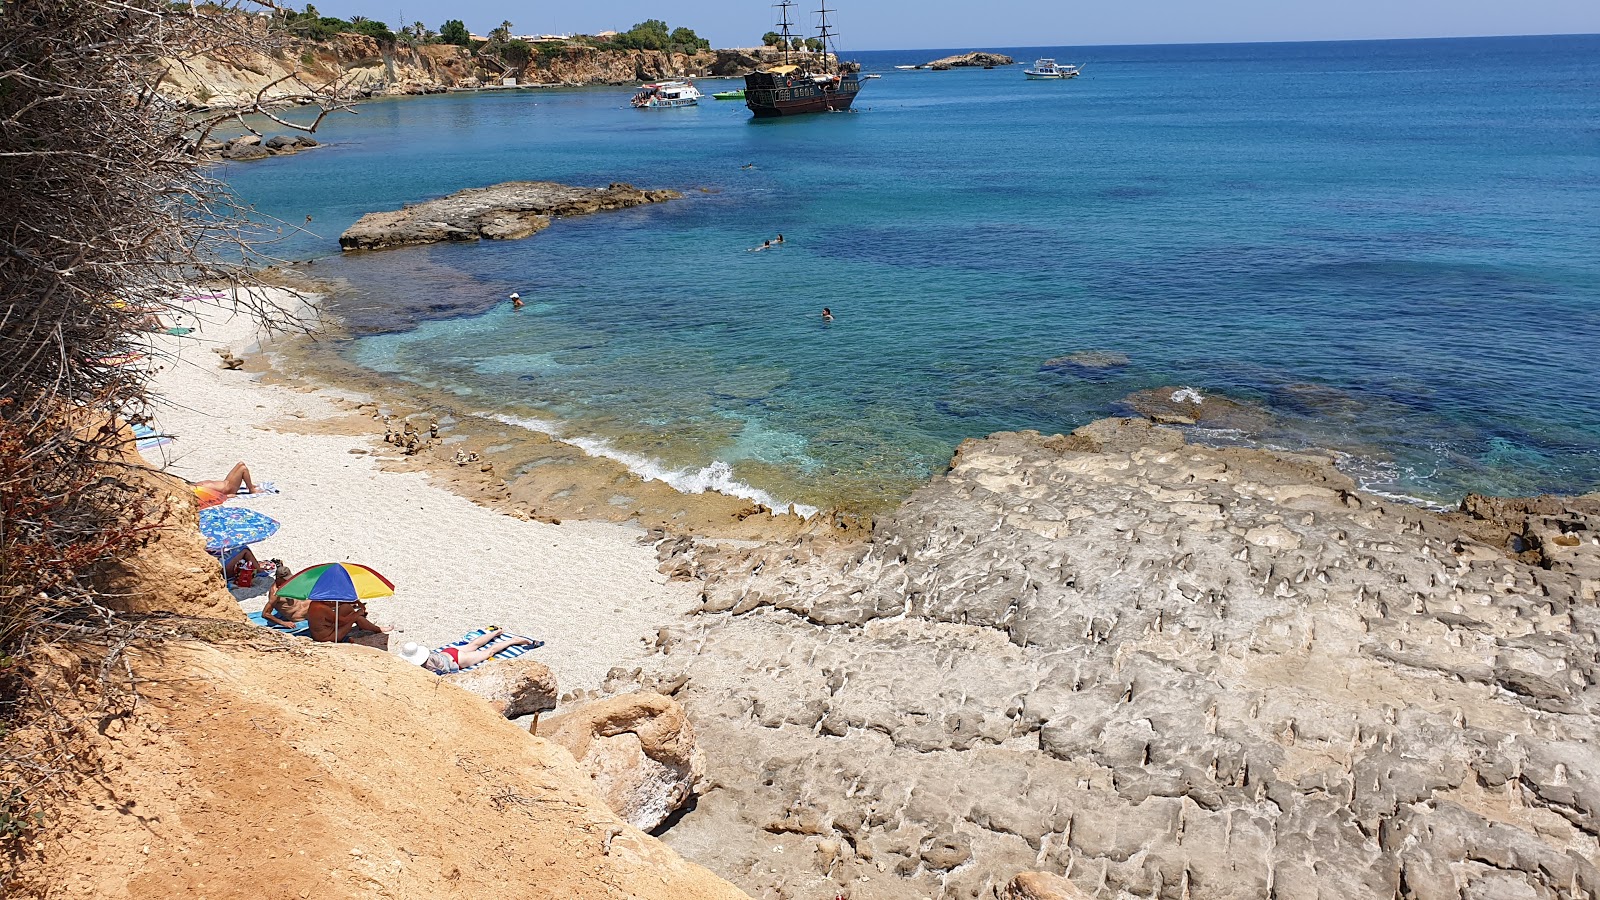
(337, 583)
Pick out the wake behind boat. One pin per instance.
(1047, 69)
(667, 95)
(806, 86)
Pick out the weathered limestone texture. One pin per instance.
(1152, 669)
(514, 687)
(500, 212)
(640, 751)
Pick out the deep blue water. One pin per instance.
(1410, 228)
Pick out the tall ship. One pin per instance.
(806, 82)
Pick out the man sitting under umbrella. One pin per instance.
(337, 593)
(337, 621)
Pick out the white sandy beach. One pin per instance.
(589, 590)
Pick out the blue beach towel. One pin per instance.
(148, 438)
(508, 653)
(300, 629)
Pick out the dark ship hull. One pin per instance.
(770, 95)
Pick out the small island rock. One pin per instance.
(501, 212)
(977, 59)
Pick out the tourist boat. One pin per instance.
(667, 95)
(728, 95)
(907, 68)
(806, 86)
(1047, 68)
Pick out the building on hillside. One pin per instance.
(605, 36)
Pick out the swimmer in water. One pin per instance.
(765, 245)
(516, 301)
(827, 314)
(780, 238)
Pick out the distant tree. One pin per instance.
(798, 44)
(454, 32)
(771, 39)
(814, 45)
(651, 34)
(516, 53)
(685, 40)
(373, 29)
(356, 20)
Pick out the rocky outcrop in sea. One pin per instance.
(1154, 669)
(977, 59)
(500, 212)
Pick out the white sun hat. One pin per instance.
(414, 653)
(516, 296)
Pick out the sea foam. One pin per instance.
(716, 477)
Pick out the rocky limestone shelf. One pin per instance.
(1153, 669)
(501, 212)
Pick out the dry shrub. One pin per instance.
(105, 212)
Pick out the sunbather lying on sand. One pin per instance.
(334, 622)
(227, 487)
(454, 659)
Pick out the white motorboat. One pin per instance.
(1047, 68)
(907, 68)
(667, 95)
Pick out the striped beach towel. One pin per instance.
(149, 438)
(508, 653)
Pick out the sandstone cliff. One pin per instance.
(365, 67)
(1157, 670)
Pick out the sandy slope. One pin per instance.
(590, 590)
(293, 771)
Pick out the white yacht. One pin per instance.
(666, 95)
(1047, 68)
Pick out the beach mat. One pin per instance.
(149, 438)
(300, 629)
(508, 653)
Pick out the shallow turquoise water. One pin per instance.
(1414, 227)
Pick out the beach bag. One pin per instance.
(246, 576)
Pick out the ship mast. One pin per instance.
(788, 36)
(824, 31)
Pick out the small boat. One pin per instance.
(728, 95)
(1047, 68)
(667, 95)
(906, 68)
(870, 77)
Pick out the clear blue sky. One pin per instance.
(897, 24)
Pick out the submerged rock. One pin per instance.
(1175, 405)
(514, 209)
(1154, 669)
(1088, 363)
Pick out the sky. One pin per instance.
(964, 24)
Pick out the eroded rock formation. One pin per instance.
(977, 59)
(514, 209)
(1157, 669)
(639, 749)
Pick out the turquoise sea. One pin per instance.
(1392, 247)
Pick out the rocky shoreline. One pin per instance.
(1157, 669)
(500, 212)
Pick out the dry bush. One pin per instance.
(106, 211)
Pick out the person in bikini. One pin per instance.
(453, 659)
(227, 487)
(283, 611)
(339, 621)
